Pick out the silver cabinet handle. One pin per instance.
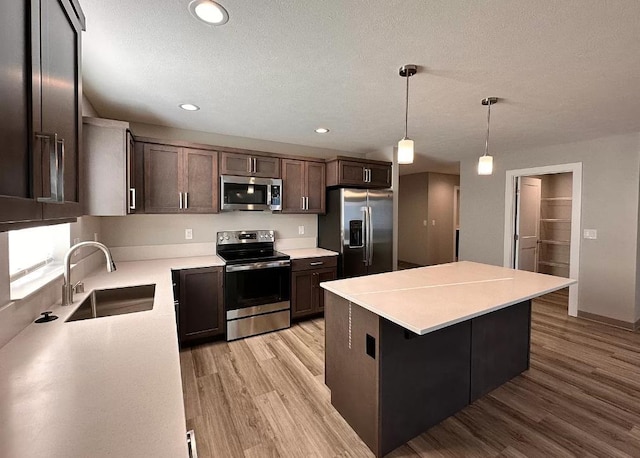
(56, 168)
(132, 198)
(317, 263)
(191, 444)
(307, 206)
(255, 165)
(250, 164)
(302, 204)
(186, 200)
(364, 175)
(180, 200)
(368, 180)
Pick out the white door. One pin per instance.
(527, 223)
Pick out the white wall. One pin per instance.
(608, 265)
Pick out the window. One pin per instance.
(33, 249)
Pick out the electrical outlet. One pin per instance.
(424, 222)
(591, 234)
(300, 230)
(95, 237)
(75, 242)
(188, 234)
(433, 222)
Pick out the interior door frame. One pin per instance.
(456, 217)
(575, 169)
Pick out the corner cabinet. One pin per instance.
(249, 165)
(360, 173)
(304, 186)
(307, 297)
(198, 297)
(110, 169)
(41, 122)
(180, 180)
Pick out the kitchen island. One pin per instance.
(405, 350)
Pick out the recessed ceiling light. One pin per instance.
(209, 12)
(322, 130)
(189, 106)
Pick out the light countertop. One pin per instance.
(426, 299)
(301, 253)
(101, 387)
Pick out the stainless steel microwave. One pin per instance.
(250, 193)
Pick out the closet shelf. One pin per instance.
(553, 263)
(555, 220)
(556, 242)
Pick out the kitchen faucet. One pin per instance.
(67, 288)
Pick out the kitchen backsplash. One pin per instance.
(137, 237)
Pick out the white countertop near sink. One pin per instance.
(300, 253)
(101, 387)
(426, 299)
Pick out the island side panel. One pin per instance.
(350, 372)
(500, 343)
(423, 379)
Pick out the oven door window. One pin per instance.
(248, 288)
(245, 194)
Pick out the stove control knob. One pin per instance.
(226, 237)
(221, 238)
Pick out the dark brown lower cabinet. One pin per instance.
(307, 297)
(199, 303)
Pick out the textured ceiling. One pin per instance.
(566, 71)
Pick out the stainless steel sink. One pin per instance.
(115, 301)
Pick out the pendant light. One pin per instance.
(485, 163)
(405, 146)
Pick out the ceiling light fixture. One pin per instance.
(405, 146)
(322, 130)
(189, 106)
(485, 163)
(209, 12)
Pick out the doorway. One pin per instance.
(542, 222)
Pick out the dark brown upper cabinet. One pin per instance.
(40, 118)
(303, 185)
(180, 180)
(249, 165)
(359, 173)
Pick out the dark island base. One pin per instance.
(391, 384)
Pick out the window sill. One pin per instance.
(29, 284)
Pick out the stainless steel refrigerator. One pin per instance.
(358, 225)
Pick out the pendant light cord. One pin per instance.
(486, 145)
(406, 110)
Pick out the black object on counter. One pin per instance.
(46, 317)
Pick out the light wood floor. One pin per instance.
(265, 397)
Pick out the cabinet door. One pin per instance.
(60, 99)
(318, 293)
(380, 175)
(201, 181)
(19, 181)
(266, 167)
(162, 179)
(132, 192)
(293, 184)
(201, 312)
(302, 293)
(315, 187)
(235, 164)
(351, 173)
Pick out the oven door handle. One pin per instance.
(257, 265)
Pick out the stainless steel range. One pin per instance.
(257, 283)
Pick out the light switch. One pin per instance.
(433, 222)
(591, 234)
(188, 234)
(424, 222)
(300, 230)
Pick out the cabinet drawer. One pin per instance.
(314, 263)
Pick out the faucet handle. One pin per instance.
(78, 287)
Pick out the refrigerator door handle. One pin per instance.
(365, 235)
(369, 237)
